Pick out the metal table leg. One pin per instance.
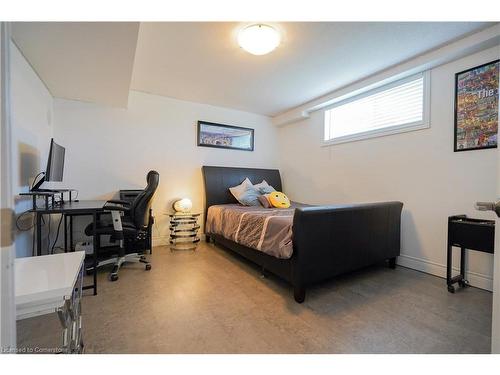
(65, 233)
(94, 229)
(94, 255)
(38, 234)
(449, 282)
(463, 282)
(71, 233)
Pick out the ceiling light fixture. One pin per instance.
(259, 39)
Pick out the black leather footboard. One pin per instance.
(331, 240)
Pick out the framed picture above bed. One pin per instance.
(211, 134)
(476, 107)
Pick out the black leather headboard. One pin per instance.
(218, 180)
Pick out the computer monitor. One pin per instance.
(55, 165)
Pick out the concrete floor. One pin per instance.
(211, 301)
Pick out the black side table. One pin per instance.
(471, 234)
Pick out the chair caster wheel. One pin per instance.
(148, 267)
(451, 289)
(113, 277)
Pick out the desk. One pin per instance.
(49, 284)
(91, 208)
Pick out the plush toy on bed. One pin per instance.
(279, 200)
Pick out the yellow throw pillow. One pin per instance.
(279, 200)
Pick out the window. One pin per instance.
(393, 108)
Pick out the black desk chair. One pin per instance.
(133, 227)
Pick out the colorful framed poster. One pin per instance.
(476, 107)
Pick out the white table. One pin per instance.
(49, 284)
(44, 282)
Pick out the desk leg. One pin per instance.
(38, 234)
(71, 233)
(65, 233)
(98, 240)
(94, 229)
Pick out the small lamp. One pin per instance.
(183, 205)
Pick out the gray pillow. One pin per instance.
(246, 193)
(250, 197)
(264, 187)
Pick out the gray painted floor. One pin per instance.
(211, 301)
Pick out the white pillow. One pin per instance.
(246, 193)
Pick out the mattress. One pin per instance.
(264, 229)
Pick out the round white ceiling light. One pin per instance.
(259, 39)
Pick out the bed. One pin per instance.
(326, 241)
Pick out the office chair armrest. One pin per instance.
(119, 201)
(116, 208)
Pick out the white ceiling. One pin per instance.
(88, 61)
(202, 62)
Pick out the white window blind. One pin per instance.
(382, 111)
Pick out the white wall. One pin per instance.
(418, 168)
(108, 149)
(31, 111)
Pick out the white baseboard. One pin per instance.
(161, 241)
(476, 279)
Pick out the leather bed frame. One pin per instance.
(327, 240)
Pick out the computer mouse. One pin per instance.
(76, 200)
